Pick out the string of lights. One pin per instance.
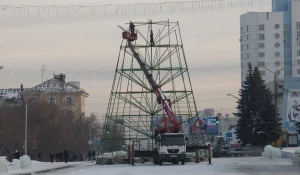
(129, 8)
(108, 74)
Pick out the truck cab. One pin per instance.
(171, 147)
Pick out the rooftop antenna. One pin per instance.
(43, 69)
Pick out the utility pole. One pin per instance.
(26, 126)
(275, 102)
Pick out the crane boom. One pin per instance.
(161, 98)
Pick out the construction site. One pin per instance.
(152, 113)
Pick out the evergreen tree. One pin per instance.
(257, 123)
(245, 109)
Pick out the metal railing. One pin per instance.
(287, 155)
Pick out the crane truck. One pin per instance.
(171, 145)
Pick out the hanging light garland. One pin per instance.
(124, 9)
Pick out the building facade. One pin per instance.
(55, 91)
(271, 41)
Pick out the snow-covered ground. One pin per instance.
(290, 149)
(220, 166)
(46, 166)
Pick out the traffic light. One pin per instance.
(217, 120)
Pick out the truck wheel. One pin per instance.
(182, 162)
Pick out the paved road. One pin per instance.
(220, 166)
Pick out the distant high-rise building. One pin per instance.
(272, 40)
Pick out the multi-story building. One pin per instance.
(271, 41)
(55, 91)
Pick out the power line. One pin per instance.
(130, 8)
(109, 74)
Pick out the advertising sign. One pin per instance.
(293, 106)
(212, 127)
(161, 122)
(197, 126)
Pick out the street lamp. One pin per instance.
(26, 114)
(275, 92)
(233, 96)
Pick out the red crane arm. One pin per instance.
(161, 99)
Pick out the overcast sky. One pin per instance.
(84, 42)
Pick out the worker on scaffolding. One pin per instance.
(151, 38)
(131, 27)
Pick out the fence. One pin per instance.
(287, 155)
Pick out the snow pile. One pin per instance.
(271, 153)
(25, 162)
(3, 165)
(16, 164)
(296, 161)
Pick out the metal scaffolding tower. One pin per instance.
(133, 113)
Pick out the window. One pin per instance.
(298, 43)
(261, 37)
(247, 46)
(298, 52)
(241, 47)
(286, 27)
(261, 54)
(52, 101)
(247, 28)
(261, 45)
(277, 72)
(287, 54)
(261, 64)
(241, 29)
(241, 56)
(277, 45)
(247, 37)
(298, 25)
(298, 34)
(262, 73)
(298, 62)
(298, 71)
(261, 27)
(248, 55)
(287, 44)
(277, 54)
(277, 26)
(286, 63)
(277, 35)
(241, 38)
(69, 100)
(277, 63)
(286, 37)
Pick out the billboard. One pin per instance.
(161, 122)
(212, 126)
(293, 106)
(205, 125)
(196, 125)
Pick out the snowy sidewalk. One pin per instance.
(40, 167)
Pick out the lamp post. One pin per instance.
(275, 93)
(26, 116)
(233, 96)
